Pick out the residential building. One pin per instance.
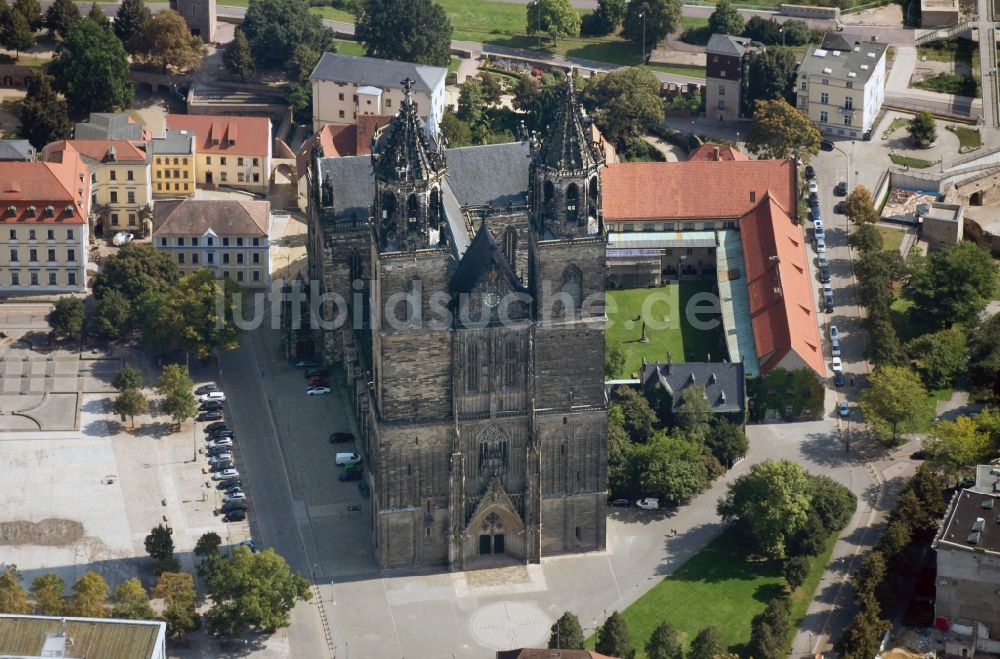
(231, 151)
(337, 140)
(43, 225)
(483, 444)
(841, 84)
(227, 236)
(173, 159)
(968, 560)
(200, 17)
(120, 191)
(715, 153)
(723, 382)
(727, 74)
(16, 150)
(346, 87)
(110, 126)
(35, 637)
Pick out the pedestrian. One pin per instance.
(852, 380)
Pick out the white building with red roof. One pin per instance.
(44, 208)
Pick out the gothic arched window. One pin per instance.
(572, 202)
(510, 246)
(434, 210)
(572, 287)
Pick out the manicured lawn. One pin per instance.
(897, 123)
(915, 163)
(968, 138)
(721, 587)
(349, 47)
(892, 238)
(950, 83)
(666, 325)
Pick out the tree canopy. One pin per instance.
(129, 403)
(858, 206)
(664, 643)
(44, 116)
(415, 31)
(165, 41)
(91, 53)
(957, 445)
(726, 19)
(49, 592)
(178, 592)
(252, 591)
(984, 357)
(131, 602)
(67, 316)
(176, 388)
(940, 357)
(955, 285)
(90, 596)
(13, 598)
(921, 128)
(624, 102)
(708, 644)
(670, 468)
(772, 76)
(131, 17)
(567, 634)
(613, 638)
(275, 27)
(556, 18)
(661, 18)
(779, 130)
(893, 402)
(61, 16)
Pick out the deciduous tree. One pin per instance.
(176, 388)
(49, 592)
(959, 444)
(13, 598)
(772, 76)
(940, 357)
(639, 419)
(613, 638)
(726, 19)
(669, 468)
(91, 53)
(61, 16)
(160, 542)
(44, 116)
(253, 591)
(893, 402)
(129, 403)
(99, 17)
(866, 238)
(177, 591)
(862, 638)
(727, 441)
(131, 17)
(661, 18)
(90, 596)
(779, 131)
(129, 377)
(567, 634)
(884, 347)
(275, 27)
(955, 285)
(131, 602)
(31, 11)
(625, 102)
(832, 502)
(695, 413)
(984, 357)
(17, 34)
(555, 18)
(922, 128)
(208, 544)
(795, 570)
(771, 504)
(610, 13)
(67, 316)
(614, 360)
(167, 43)
(417, 31)
(858, 206)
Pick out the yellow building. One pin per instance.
(173, 164)
(119, 182)
(231, 152)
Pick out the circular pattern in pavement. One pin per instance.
(510, 625)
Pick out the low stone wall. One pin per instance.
(16, 76)
(805, 11)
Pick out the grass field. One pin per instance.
(891, 238)
(915, 163)
(968, 138)
(720, 587)
(682, 341)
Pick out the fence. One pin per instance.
(947, 33)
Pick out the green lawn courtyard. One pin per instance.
(892, 237)
(720, 587)
(667, 327)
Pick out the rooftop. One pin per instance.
(44, 192)
(723, 382)
(651, 191)
(17, 150)
(342, 139)
(374, 72)
(92, 638)
(109, 126)
(173, 143)
(96, 152)
(195, 217)
(226, 135)
(715, 153)
(723, 44)
(843, 57)
(972, 522)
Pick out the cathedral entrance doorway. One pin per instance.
(491, 544)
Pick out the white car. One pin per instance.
(219, 443)
(121, 238)
(837, 365)
(317, 391)
(813, 187)
(222, 457)
(234, 496)
(225, 474)
(212, 395)
(821, 245)
(648, 503)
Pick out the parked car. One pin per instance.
(210, 406)
(317, 391)
(221, 467)
(919, 455)
(843, 409)
(834, 332)
(813, 187)
(235, 516)
(212, 396)
(821, 245)
(838, 378)
(234, 489)
(347, 458)
(837, 365)
(206, 388)
(813, 199)
(354, 466)
(826, 145)
(214, 427)
(235, 496)
(220, 434)
(350, 475)
(306, 363)
(839, 208)
(814, 214)
(835, 347)
(225, 475)
(841, 189)
(648, 503)
(824, 274)
(221, 442)
(228, 484)
(819, 231)
(341, 437)
(317, 372)
(121, 238)
(229, 506)
(810, 172)
(828, 297)
(218, 451)
(619, 503)
(215, 415)
(319, 381)
(220, 458)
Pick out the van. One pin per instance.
(348, 458)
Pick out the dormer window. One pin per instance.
(12, 210)
(50, 210)
(32, 211)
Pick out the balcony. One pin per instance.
(846, 111)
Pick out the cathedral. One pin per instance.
(471, 330)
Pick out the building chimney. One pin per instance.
(715, 153)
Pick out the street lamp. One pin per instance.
(538, 20)
(642, 15)
(782, 30)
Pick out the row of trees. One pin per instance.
(653, 451)
(892, 563)
(177, 401)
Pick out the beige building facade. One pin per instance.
(231, 151)
(173, 165)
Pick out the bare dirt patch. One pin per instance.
(51, 532)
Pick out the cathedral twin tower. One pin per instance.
(485, 435)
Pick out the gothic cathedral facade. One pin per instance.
(474, 338)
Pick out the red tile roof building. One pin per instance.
(231, 151)
(759, 197)
(716, 152)
(43, 225)
(338, 140)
